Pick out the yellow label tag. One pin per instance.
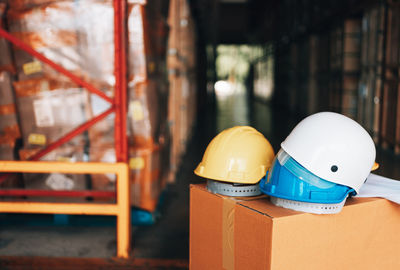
(64, 159)
(137, 111)
(136, 163)
(32, 67)
(38, 139)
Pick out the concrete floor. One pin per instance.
(169, 237)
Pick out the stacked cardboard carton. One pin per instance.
(353, 68)
(371, 70)
(48, 104)
(181, 65)
(390, 126)
(147, 106)
(345, 67)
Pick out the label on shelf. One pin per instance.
(37, 139)
(43, 113)
(32, 67)
(136, 109)
(66, 159)
(136, 163)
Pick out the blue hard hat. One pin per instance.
(287, 179)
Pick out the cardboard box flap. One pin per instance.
(262, 204)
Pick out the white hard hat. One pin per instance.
(333, 147)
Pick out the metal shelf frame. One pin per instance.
(118, 105)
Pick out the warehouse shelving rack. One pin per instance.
(119, 106)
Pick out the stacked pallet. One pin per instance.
(371, 70)
(147, 109)
(344, 75)
(181, 75)
(390, 126)
(79, 36)
(353, 68)
(48, 104)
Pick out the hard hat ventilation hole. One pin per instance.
(316, 208)
(334, 168)
(233, 189)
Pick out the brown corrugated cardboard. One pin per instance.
(145, 166)
(143, 113)
(252, 233)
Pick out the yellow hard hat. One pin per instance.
(239, 155)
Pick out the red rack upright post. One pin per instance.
(120, 64)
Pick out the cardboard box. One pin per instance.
(252, 233)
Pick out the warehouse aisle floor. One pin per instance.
(169, 237)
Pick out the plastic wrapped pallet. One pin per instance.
(181, 64)
(102, 134)
(51, 30)
(147, 32)
(137, 64)
(78, 35)
(95, 27)
(48, 110)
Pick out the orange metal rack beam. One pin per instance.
(121, 209)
